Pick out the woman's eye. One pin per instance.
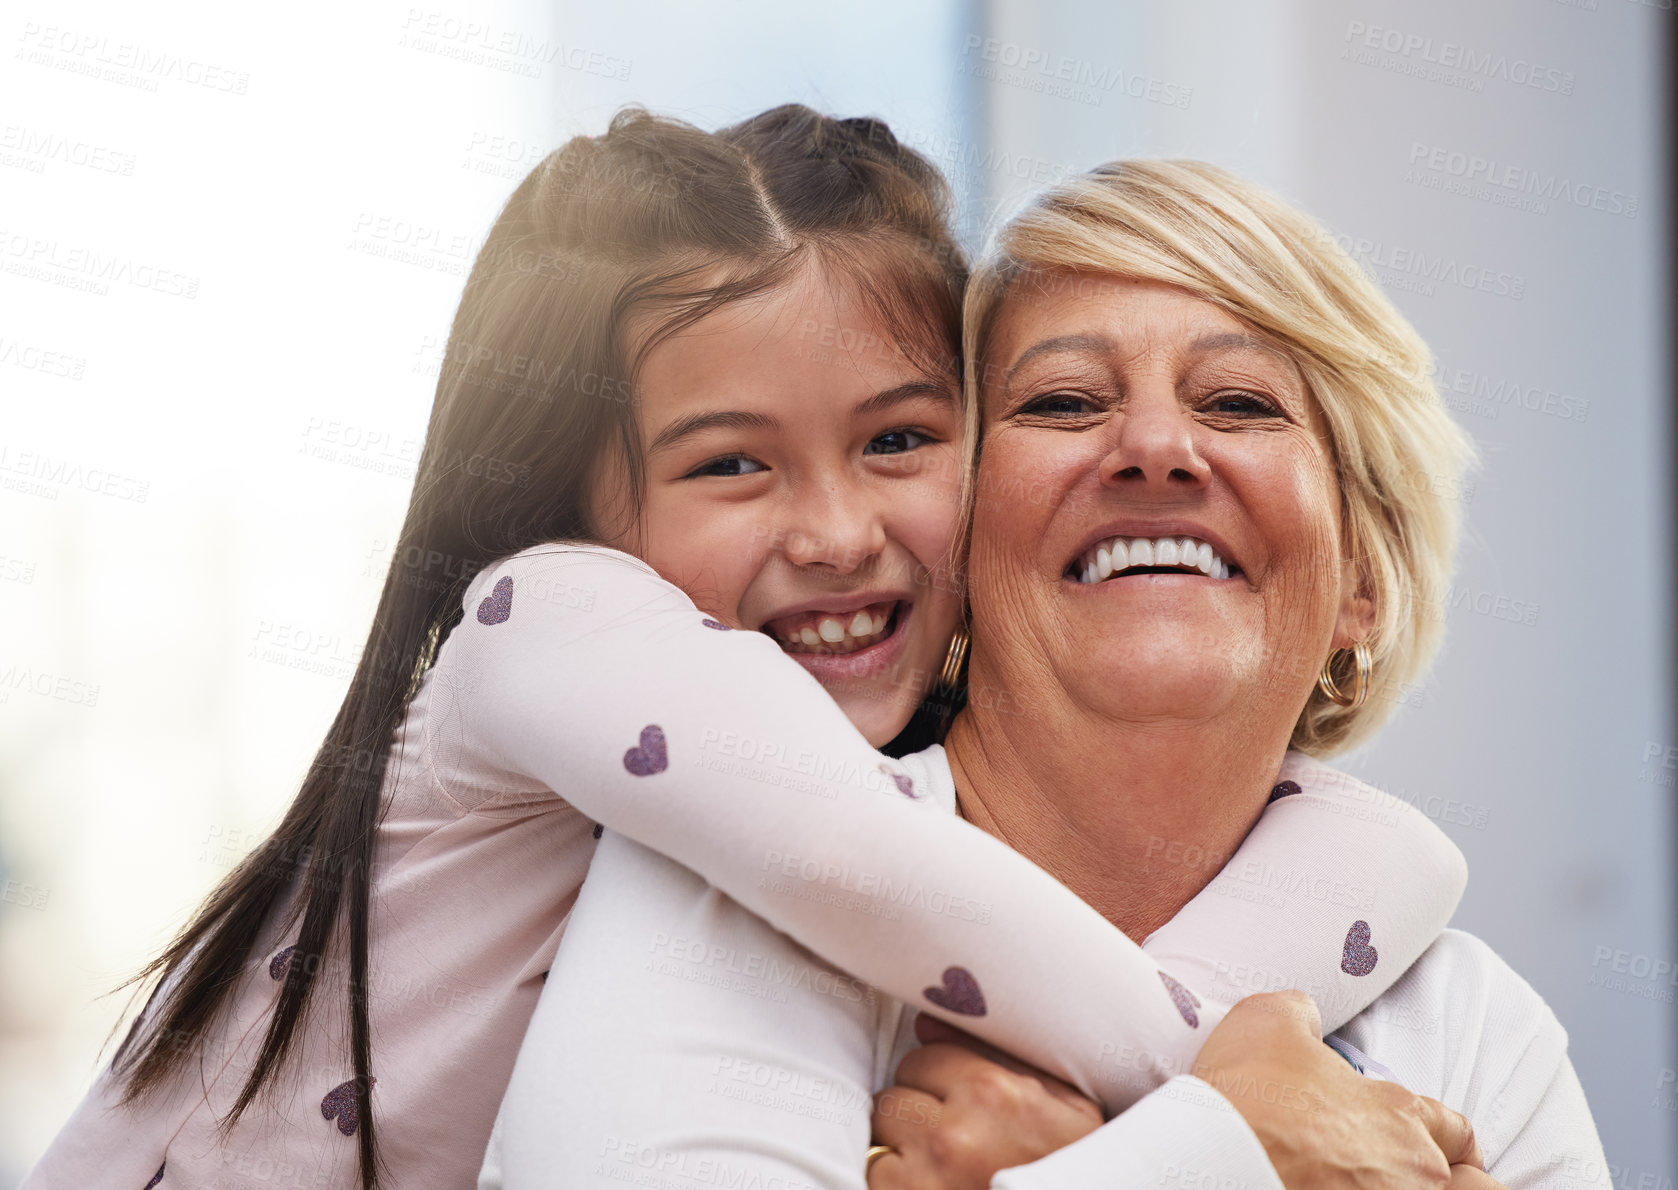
(726, 466)
(1241, 404)
(894, 442)
(1060, 405)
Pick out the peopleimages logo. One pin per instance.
(1502, 182)
(1447, 58)
(1417, 271)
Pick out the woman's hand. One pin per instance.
(1321, 1123)
(962, 1110)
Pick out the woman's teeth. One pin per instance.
(1117, 555)
(825, 632)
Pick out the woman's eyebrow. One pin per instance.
(914, 390)
(1237, 341)
(1098, 344)
(731, 419)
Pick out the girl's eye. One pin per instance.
(1060, 405)
(727, 465)
(894, 442)
(1242, 404)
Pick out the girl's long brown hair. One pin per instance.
(537, 382)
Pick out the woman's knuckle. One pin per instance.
(996, 1090)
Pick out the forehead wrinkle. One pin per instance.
(1090, 343)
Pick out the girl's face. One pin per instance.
(802, 480)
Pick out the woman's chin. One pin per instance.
(1157, 686)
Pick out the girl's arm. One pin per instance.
(578, 668)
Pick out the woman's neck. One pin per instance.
(1134, 818)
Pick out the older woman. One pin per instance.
(1160, 349)
(1159, 352)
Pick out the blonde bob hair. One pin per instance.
(1399, 456)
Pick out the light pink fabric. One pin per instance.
(579, 670)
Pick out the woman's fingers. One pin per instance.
(1471, 1177)
(933, 1032)
(1452, 1132)
(1321, 1123)
(955, 1117)
(903, 1118)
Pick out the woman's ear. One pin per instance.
(1357, 606)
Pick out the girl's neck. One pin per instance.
(1134, 818)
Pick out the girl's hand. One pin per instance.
(1323, 1125)
(962, 1110)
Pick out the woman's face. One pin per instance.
(1131, 410)
(802, 480)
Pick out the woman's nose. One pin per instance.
(1153, 443)
(834, 524)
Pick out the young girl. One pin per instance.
(347, 1005)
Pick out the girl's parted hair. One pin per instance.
(1399, 457)
(537, 381)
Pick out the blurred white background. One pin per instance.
(232, 240)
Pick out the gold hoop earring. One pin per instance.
(950, 675)
(1360, 685)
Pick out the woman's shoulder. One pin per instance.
(1462, 1026)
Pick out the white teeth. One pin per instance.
(838, 633)
(1111, 557)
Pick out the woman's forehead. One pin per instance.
(1107, 315)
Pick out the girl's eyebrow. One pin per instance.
(914, 390)
(731, 419)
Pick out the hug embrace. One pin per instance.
(880, 739)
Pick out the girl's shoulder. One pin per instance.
(577, 557)
(580, 576)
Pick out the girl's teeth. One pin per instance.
(839, 633)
